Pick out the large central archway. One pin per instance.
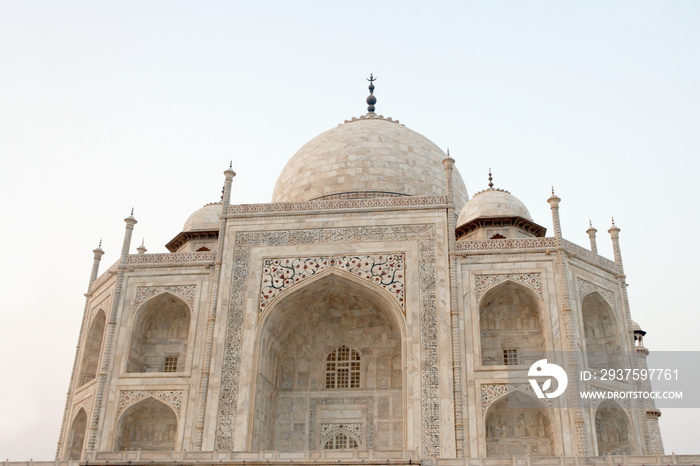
(329, 368)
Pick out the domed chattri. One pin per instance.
(205, 218)
(496, 214)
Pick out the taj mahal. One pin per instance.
(372, 313)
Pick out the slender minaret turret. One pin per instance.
(574, 362)
(591, 235)
(615, 235)
(97, 257)
(213, 309)
(99, 406)
(455, 316)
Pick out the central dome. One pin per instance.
(366, 157)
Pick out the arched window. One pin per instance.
(518, 425)
(159, 338)
(91, 350)
(341, 441)
(600, 331)
(147, 425)
(343, 368)
(77, 436)
(510, 324)
(612, 429)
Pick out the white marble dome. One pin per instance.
(204, 219)
(367, 157)
(492, 203)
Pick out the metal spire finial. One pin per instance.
(99, 246)
(230, 164)
(371, 99)
(613, 220)
(590, 223)
(490, 179)
(132, 211)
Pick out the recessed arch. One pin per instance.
(159, 335)
(601, 335)
(510, 324)
(149, 424)
(517, 424)
(92, 348)
(612, 429)
(76, 436)
(297, 333)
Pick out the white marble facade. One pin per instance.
(360, 311)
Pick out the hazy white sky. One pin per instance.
(105, 105)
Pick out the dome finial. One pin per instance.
(371, 99)
(490, 179)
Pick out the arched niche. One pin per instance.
(159, 335)
(600, 332)
(510, 324)
(76, 436)
(325, 316)
(92, 348)
(612, 429)
(518, 425)
(148, 425)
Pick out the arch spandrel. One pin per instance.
(281, 275)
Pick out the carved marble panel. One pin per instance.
(384, 270)
(531, 280)
(186, 292)
(173, 398)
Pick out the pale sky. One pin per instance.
(105, 105)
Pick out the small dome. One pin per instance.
(367, 157)
(492, 203)
(635, 326)
(205, 219)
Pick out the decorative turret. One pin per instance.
(591, 235)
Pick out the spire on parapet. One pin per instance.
(490, 179)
